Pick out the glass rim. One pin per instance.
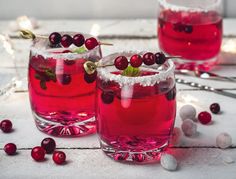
(148, 80)
(47, 53)
(175, 7)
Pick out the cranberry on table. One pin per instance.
(215, 108)
(66, 40)
(78, 40)
(136, 61)
(149, 58)
(10, 149)
(91, 43)
(59, 157)
(38, 153)
(6, 126)
(160, 58)
(121, 62)
(55, 38)
(204, 117)
(49, 145)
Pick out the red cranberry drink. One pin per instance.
(194, 33)
(62, 95)
(136, 105)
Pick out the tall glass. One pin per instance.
(62, 95)
(135, 115)
(191, 29)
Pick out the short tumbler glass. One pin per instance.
(191, 29)
(135, 115)
(62, 95)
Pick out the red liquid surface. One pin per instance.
(66, 98)
(141, 121)
(191, 35)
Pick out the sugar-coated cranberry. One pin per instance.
(188, 29)
(121, 62)
(90, 78)
(55, 38)
(10, 149)
(49, 145)
(91, 43)
(215, 108)
(78, 40)
(59, 157)
(64, 79)
(6, 126)
(66, 40)
(160, 58)
(107, 97)
(136, 61)
(149, 58)
(38, 153)
(204, 117)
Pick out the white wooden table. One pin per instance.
(198, 157)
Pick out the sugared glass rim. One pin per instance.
(46, 53)
(174, 7)
(148, 80)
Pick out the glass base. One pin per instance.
(76, 129)
(140, 157)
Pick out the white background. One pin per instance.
(85, 9)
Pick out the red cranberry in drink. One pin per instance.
(91, 43)
(171, 94)
(6, 126)
(107, 97)
(160, 58)
(78, 40)
(178, 27)
(188, 29)
(64, 79)
(69, 62)
(138, 157)
(121, 62)
(66, 40)
(136, 61)
(49, 145)
(204, 117)
(55, 38)
(149, 58)
(215, 108)
(59, 157)
(38, 153)
(90, 78)
(10, 149)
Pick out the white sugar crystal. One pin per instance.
(187, 112)
(176, 136)
(168, 162)
(189, 128)
(223, 140)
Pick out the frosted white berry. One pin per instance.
(168, 162)
(187, 112)
(189, 128)
(176, 136)
(223, 140)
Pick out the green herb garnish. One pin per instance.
(131, 72)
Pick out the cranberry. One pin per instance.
(69, 62)
(90, 78)
(55, 38)
(138, 157)
(188, 29)
(64, 79)
(204, 117)
(91, 43)
(10, 149)
(160, 58)
(178, 27)
(215, 108)
(66, 40)
(38, 153)
(136, 61)
(149, 58)
(59, 157)
(121, 62)
(170, 95)
(6, 126)
(107, 97)
(78, 40)
(48, 144)
(121, 156)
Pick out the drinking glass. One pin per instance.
(135, 115)
(62, 95)
(191, 29)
